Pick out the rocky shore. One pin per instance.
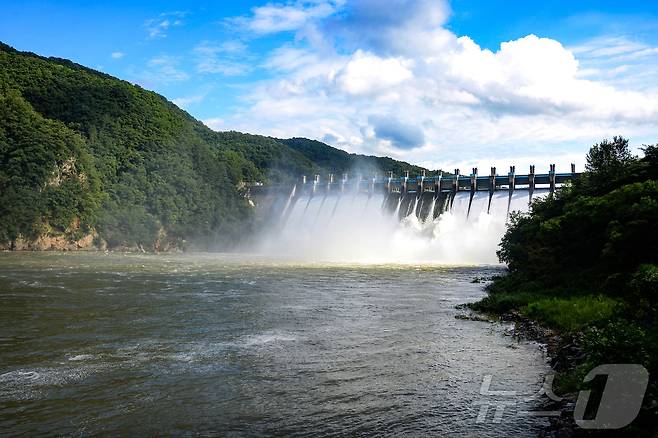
(91, 241)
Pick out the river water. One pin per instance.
(94, 343)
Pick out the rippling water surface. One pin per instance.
(217, 344)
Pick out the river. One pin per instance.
(208, 344)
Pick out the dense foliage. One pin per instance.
(585, 262)
(41, 187)
(337, 161)
(594, 235)
(81, 151)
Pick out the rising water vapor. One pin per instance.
(382, 228)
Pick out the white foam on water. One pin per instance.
(267, 338)
(360, 231)
(81, 357)
(27, 384)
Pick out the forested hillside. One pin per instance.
(84, 153)
(338, 161)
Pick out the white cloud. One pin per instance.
(186, 101)
(117, 55)
(227, 58)
(290, 59)
(401, 26)
(395, 81)
(273, 17)
(366, 74)
(534, 75)
(607, 47)
(218, 124)
(400, 134)
(158, 27)
(163, 70)
(619, 61)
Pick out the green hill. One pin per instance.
(338, 161)
(83, 153)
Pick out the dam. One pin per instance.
(441, 218)
(442, 188)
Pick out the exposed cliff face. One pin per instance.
(50, 239)
(55, 241)
(65, 171)
(51, 243)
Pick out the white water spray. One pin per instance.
(397, 209)
(360, 231)
(430, 212)
(290, 199)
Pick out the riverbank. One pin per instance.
(579, 333)
(73, 240)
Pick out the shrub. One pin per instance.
(503, 302)
(618, 342)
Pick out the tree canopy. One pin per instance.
(595, 233)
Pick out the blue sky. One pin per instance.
(441, 83)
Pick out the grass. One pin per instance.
(503, 302)
(568, 314)
(571, 314)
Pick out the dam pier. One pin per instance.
(425, 196)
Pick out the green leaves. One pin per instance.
(99, 152)
(580, 238)
(47, 178)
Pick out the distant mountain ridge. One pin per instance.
(85, 154)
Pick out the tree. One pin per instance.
(607, 163)
(651, 160)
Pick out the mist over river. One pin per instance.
(94, 343)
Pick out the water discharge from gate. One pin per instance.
(381, 228)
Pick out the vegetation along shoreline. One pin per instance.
(583, 276)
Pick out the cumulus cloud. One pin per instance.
(403, 135)
(393, 80)
(117, 55)
(534, 75)
(367, 74)
(402, 26)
